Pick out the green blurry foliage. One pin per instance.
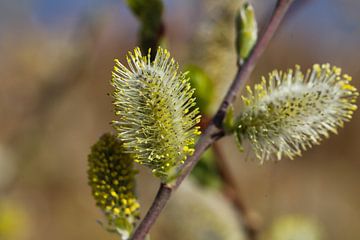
(149, 13)
(204, 88)
(205, 172)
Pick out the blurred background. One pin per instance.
(56, 59)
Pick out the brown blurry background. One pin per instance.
(56, 59)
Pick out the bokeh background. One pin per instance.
(56, 59)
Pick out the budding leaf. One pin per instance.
(246, 31)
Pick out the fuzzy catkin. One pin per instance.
(111, 177)
(291, 111)
(156, 113)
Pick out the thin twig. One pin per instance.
(213, 131)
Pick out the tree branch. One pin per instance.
(214, 131)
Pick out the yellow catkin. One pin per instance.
(156, 117)
(293, 111)
(112, 180)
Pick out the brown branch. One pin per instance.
(213, 131)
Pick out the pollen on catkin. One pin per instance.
(111, 177)
(292, 111)
(156, 113)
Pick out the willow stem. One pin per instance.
(214, 131)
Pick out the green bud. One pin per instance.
(204, 88)
(246, 31)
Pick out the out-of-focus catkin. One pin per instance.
(111, 177)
